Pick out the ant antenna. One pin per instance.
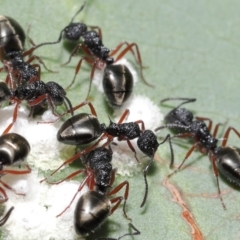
(168, 137)
(81, 8)
(186, 100)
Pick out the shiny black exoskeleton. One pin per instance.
(225, 160)
(12, 36)
(228, 163)
(181, 121)
(117, 84)
(94, 207)
(84, 128)
(80, 129)
(91, 39)
(13, 148)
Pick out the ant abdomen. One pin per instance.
(80, 129)
(228, 163)
(91, 211)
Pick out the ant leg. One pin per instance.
(118, 200)
(16, 172)
(5, 197)
(186, 157)
(11, 189)
(124, 116)
(72, 159)
(30, 51)
(91, 77)
(138, 58)
(40, 99)
(15, 113)
(84, 182)
(93, 111)
(213, 161)
(34, 57)
(216, 129)
(132, 148)
(69, 177)
(78, 67)
(225, 138)
(142, 123)
(5, 218)
(75, 50)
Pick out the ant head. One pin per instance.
(74, 31)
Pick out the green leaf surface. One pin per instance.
(191, 49)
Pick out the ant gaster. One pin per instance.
(37, 93)
(94, 206)
(117, 84)
(225, 160)
(84, 128)
(13, 149)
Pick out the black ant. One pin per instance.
(117, 84)
(13, 149)
(94, 206)
(6, 216)
(12, 41)
(224, 159)
(36, 93)
(96, 53)
(84, 128)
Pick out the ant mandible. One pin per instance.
(225, 160)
